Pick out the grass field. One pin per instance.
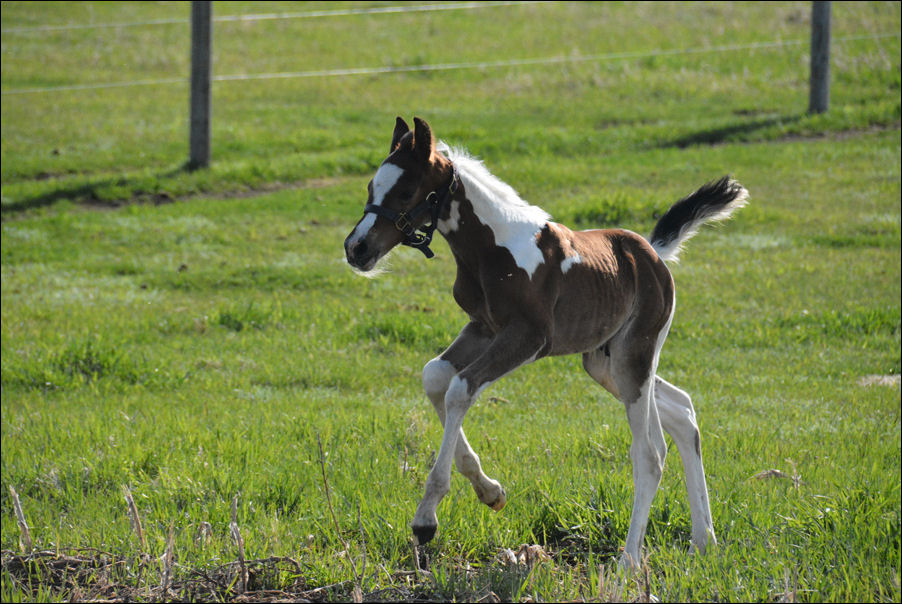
(196, 336)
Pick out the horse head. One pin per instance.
(405, 198)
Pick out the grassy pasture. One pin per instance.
(218, 346)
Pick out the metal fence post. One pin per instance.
(819, 95)
(201, 68)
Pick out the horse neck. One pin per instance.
(485, 214)
(467, 237)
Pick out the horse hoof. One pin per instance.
(424, 534)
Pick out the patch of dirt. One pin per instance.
(880, 380)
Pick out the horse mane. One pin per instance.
(495, 201)
(513, 222)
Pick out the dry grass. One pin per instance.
(93, 575)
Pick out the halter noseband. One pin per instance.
(435, 202)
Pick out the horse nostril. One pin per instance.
(358, 249)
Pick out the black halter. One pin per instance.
(435, 202)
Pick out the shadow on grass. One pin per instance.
(92, 193)
(731, 133)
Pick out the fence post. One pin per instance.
(819, 95)
(201, 68)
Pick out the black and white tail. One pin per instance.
(713, 201)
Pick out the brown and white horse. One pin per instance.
(534, 288)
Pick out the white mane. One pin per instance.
(497, 205)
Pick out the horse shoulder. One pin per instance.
(467, 291)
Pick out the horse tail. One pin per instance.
(713, 201)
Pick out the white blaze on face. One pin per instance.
(386, 178)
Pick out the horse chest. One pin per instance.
(497, 298)
(471, 297)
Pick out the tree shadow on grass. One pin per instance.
(733, 133)
(94, 192)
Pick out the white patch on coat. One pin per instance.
(453, 222)
(569, 261)
(514, 222)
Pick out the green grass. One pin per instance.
(202, 349)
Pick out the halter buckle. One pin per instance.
(402, 223)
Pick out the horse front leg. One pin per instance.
(514, 346)
(437, 376)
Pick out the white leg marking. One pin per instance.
(438, 482)
(504, 354)
(678, 418)
(647, 451)
(437, 376)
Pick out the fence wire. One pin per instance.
(342, 12)
(389, 69)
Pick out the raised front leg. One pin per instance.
(514, 346)
(437, 375)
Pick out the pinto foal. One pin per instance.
(534, 288)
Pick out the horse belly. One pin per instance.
(597, 290)
(585, 325)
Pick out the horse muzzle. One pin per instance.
(360, 254)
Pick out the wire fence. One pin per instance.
(388, 69)
(382, 69)
(345, 12)
(369, 70)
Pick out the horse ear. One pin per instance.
(423, 142)
(401, 128)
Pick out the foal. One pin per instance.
(534, 288)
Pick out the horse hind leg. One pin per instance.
(678, 419)
(628, 373)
